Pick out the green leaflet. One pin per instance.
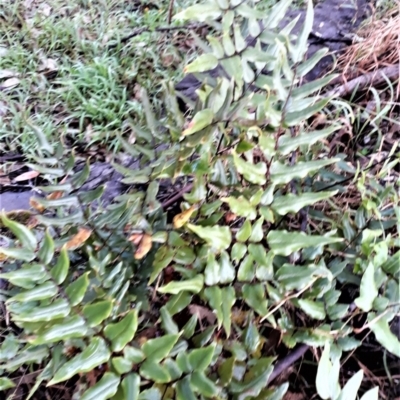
(152, 371)
(122, 332)
(193, 285)
(368, 289)
(327, 380)
(105, 388)
(6, 383)
(92, 356)
(221, 301)
(97, 312)
(131, 386)
(203, 385)
(77, 289)
(70, 327)
(157, 349)
(282, 174)
(201, 120)
(384, 335)
(291, 203)
(217, 237)
(40, 292)
(285, 243)
(253, 173)
(26, 237)
(46, 251)
(241, 207)
(60, 308)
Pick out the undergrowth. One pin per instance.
(276, 234)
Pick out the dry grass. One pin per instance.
(378, 46)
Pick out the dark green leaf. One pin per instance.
(77, 289)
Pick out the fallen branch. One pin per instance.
(370, 79)
(180, 194)
(287, 361)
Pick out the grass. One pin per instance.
(63, 71)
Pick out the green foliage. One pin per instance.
(183, 310)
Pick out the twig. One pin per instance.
(139, 31)
(287, 361)
(170, 11)
(173, 199)
(372, 78)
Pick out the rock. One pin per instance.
(10, 201)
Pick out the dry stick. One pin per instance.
(287, 361)
(173, 199)
(372, 78)
(170, 11)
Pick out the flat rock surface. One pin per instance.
(10, 201)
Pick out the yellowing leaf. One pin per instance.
(181, 219)
(26, 176)
(144, 247)
(80, 238)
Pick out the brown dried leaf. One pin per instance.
(5, 180)
(35, 205)
(230, 217)
(136, 238)
(182, 218)
(202, 313)
(26, 176)
(144, 247)
(80, 238)
(55, 195)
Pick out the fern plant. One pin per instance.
(161, 309)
